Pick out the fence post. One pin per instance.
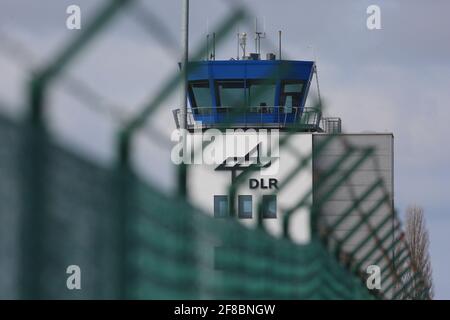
(32, 158)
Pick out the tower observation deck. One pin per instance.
(253, 93)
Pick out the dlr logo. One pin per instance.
(263, 183)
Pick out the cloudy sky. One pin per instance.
(396, 79)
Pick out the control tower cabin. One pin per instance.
(253, 93)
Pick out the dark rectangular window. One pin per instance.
(200, 96)
(269, 206)
(261, 94)
(221, 208)
(291, 95)
(245, 207)
(231, 93)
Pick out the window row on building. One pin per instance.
(229, 93)
(245, 206)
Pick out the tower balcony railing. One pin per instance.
(331, 124)
(305, 119)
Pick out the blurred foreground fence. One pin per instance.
(131, 241)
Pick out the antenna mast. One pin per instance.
(213, 55)
(182, 173)
(207, 47)
(184, 61)
(279, 44)
(258, 36)
(207, 39)
(238, 44)
(243, 43)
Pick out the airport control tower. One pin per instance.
(253, 117)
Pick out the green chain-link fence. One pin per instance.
(133, 241)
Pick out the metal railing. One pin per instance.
(307, 119)
(331, 124)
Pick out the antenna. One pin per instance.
(238, 41)
(243, 43)
(207, 39)
(279, 44)
(213, 55)
(258, 36)
(207, 47)
(182, 176)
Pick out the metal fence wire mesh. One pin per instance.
(72, 211)
(131, 240)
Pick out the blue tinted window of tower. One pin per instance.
(261, 93)
(221, 206)
(231, 93)
(291, 95)
(245, 207)
(269, 206)
(201, 96)
(288, 104)
(293, 87)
